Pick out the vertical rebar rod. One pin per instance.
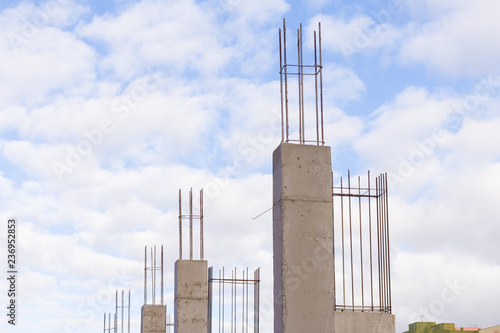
(116, 306)
(235, 300)
(281, 89)
(116, 322)
(286, 80)
(180, 226)
(361, 244)
(350, 236)
(223, 296)
(343, 243)
(220, 289)
(370, 232)
(232, 300)
(191, 224)
(316, 88)
(129, 311)
(321, 83)
(243, 305)
(104, 331)
(302, 85)
(333, 251)
(202, 249)
(152, 278)
(109, 322)
(145, 274)
(299, 68)
(123, 307)
(257, 300)
(382, 237)
(388, 246)
(380, 294)
(162, 303)
(247, 302)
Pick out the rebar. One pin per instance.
(302, 70)
(237, 305)
(191, 217)
(364, 234)
(154, 268)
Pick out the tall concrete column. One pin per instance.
(191, 296)
(303, 239)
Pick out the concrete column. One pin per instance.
(364, 322)
(303, 239)
(153, 318)
(191, 296)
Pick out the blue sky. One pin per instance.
(108, 108)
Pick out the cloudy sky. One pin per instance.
(108, 108)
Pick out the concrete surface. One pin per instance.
(191, 296)
(153, 318)
(364, 322)
(303, 239)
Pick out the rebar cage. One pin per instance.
(362, 274)
(231, 308)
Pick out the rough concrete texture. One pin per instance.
(153, 318)
(191, 296)
(364, 322)
(303, 239)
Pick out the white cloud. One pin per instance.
(356, 35)
(458, 41)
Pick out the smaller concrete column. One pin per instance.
(153, 318)
(191, 296)
(364, 322)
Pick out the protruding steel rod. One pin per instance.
(180, 226)
(145, 274)
(116, 306)
(281, 88)
(162, 303)
(191, 224)
(361, 244)
(299, 67)
(388, 246)
(286, 80)
(129, 311)
(316, 88)
(152, 278)
(333, 251)
(123, 307)
(370, 232)
(343, 243)
(202, 250)
(104, 331)
(321, 84)
(350, 236)
(302, 85)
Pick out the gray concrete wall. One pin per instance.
(191, 296)
(153, 318)
(303, 239)
(364, 322)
